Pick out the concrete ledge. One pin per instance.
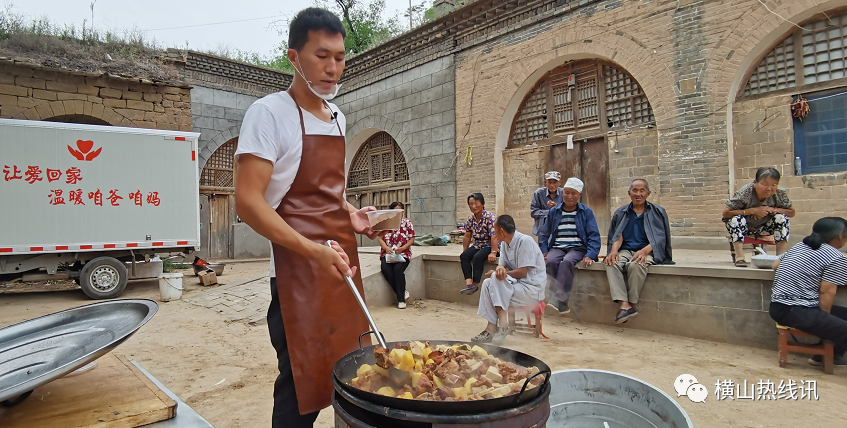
(712, 303)
(379, 293)
(677, 269)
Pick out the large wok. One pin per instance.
(345, 370)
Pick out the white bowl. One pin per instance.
(385, 219)
(764, 261)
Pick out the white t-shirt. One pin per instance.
(271, 130)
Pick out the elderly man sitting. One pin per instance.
(570, 236)
(518, 281)
(639, 236)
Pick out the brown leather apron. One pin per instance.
(322, 319)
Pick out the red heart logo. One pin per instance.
(94, 154)
(84, 146)
(76, 154)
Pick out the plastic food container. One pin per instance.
(385, 219)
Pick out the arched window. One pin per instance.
(810, 60)
(220, 168)
(378, 177)
(812, 54)
(583, 98)
(379, 161)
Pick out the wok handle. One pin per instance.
(547, 378)
(364, 307)
(368, 332)
(16, 401)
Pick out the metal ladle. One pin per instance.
(363, 306)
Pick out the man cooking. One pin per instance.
(289, 189)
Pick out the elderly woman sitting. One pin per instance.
(760, 209)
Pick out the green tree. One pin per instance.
(362, 20)
(364, 23)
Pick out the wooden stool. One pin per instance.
(786, 345)
(748, 240)
(530, 328)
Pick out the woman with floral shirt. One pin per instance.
(480, 227)
(397, 242)
(759, 209)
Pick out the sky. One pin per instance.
(175, 23)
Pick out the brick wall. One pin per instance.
(39, 93)
(523, 170)
(225, 74)
(416, 107)
(764, 136)
(684, 54)
(217, 116)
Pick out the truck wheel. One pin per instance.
(103, 278)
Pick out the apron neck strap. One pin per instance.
(300, 112)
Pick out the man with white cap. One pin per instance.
(545, 198)
(570, 235)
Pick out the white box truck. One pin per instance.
(86, 201)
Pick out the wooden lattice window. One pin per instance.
(220, 168)
(531, 124)
(379, 161)
(812, 54)
(586, 98)
(626, 103)
(776, 71)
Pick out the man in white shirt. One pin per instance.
(289, 189)
(519, 281)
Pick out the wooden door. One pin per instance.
(220, 229)
(205, 222)
(217, 187)
(588, 161)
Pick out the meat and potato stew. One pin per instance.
(459, 372)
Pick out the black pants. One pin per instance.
(286, 413)
(473, 261)
(394, 274)
(830, 326)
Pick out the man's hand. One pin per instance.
(551, 204)
(612, 258)
(361, 224)
(492, 257)
(500, 272)
(488, 274)
(640, 257)
(334, 260)
(586, 261)
(389, 251)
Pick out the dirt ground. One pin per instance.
(225, 370)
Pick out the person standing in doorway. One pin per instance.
(570, 236)
(397, 242)
(543, 200)
(289, 189)
(484, 248)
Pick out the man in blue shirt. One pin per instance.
(570, 235)
(639, 236)
(544, 199)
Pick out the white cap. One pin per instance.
(553, 175)
(574, 183)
